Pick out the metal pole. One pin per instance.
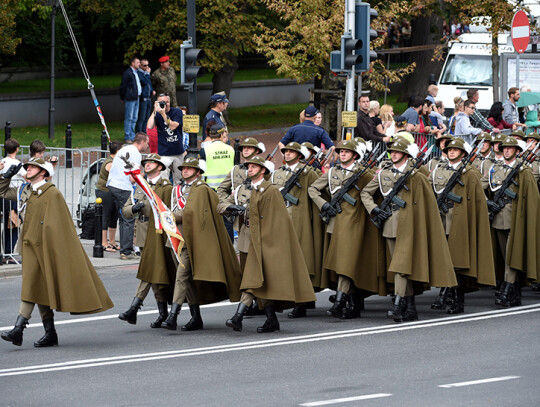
(517, 71)
(51, 96)
(191, 24)
(104, 143)
(98, 236)
(69, 159)
(350, 79)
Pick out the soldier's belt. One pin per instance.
(144, 218)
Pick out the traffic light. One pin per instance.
(189, 56)
(364, 14)
(335, 61)
(349, 52)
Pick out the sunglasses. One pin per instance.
(144, 66)
(163, 94)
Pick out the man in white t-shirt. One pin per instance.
(120, 185)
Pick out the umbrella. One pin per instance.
(528, 98)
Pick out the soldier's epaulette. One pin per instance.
(385, 164)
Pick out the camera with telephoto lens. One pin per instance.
(162, 104)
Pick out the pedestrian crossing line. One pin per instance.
(291, 340)
(481, 381)
(344, 400)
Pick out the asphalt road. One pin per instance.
(486, 357)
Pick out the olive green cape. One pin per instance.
(470, 236)
(215, 267)
(421, 251)
(524, 239)
(157, 265)
(274, 269)
(308, 224)
(55, 268)
(357, 248)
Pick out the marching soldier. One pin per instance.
(312, 151)
(497, 149)
(156, 268)
(466, 224)
(532, 140)
(303, 212)
(321, 191)
(440, 143)
(56, 272)
(274, 273)
(164, 79)
(413, 231)
(353, 253)
(208, 271)
(486, 160)
(515, 223)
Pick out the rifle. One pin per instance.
(321, 163)
(343, 192)
(447, 194)
(293, 180)
(504, 190)
(392, 196)
(270, 157)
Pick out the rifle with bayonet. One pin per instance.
(334, 206)
(270, 157)
(392, 197)
(293, 180)
(447, 195)
(499, 201)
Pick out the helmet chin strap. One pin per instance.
(194, 176)
(257, 174)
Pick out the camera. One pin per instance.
(162, 104)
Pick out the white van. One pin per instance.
(468, 65)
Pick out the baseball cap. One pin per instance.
(311, 111)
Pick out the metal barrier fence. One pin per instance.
(75, 175)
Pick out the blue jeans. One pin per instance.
(145, 109)
(130, 118)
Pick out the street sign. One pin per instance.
(348, 119)
(190, 123)
(520, 31)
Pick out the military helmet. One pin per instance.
(533, 135)
(485, 136)
(294, 146)
(193, 163)
(310, 147)
(351, 145)
(511, 142)
(443, 137)
(252, 142)
(518, 133)
(155, 158)
(498, 138)
(39, 162)
(404, 146)
(458, 143)
(267, 165)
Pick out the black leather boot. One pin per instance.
(337, 309)
(130, 315)
(536, 287)
(440, 302)
(195, 323)
(298, 312)
(504, 299)
(310, 305)
(170, 322)
(236, 321)
(15, 336)
(352, 310)
(396, 312)
(332, 298)
(50, 338)
(163, 314)
(516, 298)
(458, 306)
(410, 313)
(271, 324)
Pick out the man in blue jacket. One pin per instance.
(307, 131)
(130, 90)
(145, 100)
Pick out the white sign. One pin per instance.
(529, 73)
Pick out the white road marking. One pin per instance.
(324, 336)
(344, 400)
(113, 316)
(481, 381)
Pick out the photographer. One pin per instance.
(169, 128)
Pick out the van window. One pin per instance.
(467, 70)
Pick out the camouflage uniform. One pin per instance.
(165, 82)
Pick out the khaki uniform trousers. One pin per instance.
(183, 285)
(510, 274)
(26, 308)
(247, 299)
(402, 285)
(144, 287)
(345, 285)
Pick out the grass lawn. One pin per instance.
(113, 81)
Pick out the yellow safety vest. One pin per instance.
(219, 161)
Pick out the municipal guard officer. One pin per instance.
(218, 104)
(219, 157)
(164, 79)
(156, 268)
(307, 131)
